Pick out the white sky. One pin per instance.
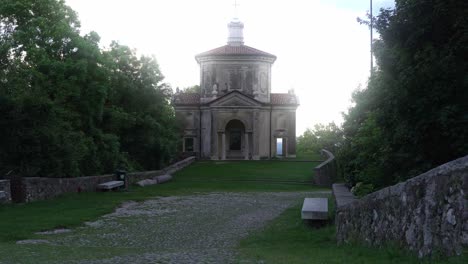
(323, 53)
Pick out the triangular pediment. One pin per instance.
(235, 98)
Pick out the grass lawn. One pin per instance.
(285, 240)
(308, 156)
(20, 221)
(249, 171)
(288, 240)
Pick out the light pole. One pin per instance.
(371, 29)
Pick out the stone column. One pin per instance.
(255, 136)
(292, 131)
(285, 147)
(223, 146)
(183, 144)
(214, 137)
(215, 149)
(207, 136)
(246, 146)
(273, 146)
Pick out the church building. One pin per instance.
(235, 115)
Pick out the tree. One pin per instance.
(327, 137)
(192, 89)
(412, 116)
(47, 70)
(138, 108)
(58, 88)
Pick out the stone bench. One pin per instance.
(111, 185)
(315, 209)
(3, 195)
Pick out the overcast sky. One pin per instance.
(323, 53)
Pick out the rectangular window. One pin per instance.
(279, 146)
(188, 145)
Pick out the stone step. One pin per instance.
(315, 209)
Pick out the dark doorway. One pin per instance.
(235, 131)
(188, 144)
(235, 140)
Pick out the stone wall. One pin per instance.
(5, 194)
(325, 172)
(426, 214)
(283, 125)
(252, 77)
(40, 188)
(342, 194)
(178, 165)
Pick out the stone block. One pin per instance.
(342, 195)
(147, 182)
(163, 178)
(315, 209)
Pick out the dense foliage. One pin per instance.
(327, 137)
(192, 89)
(70, 108)
(413, 115)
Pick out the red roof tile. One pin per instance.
(283, 99)
(235, 50)
(186, 98)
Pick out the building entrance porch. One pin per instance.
(235, 141)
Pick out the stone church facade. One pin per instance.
(235, 115)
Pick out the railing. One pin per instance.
(326, 172)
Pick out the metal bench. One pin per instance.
(111, 185)
(315, 209)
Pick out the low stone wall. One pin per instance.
(342, 194)
(40, 188)
(426, 214)
(134, 177)
(325, 172)
(179, 165)
(5, 194)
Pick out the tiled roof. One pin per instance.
(186, 98)
(283, 99)
(235, 50)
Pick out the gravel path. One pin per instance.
(204, 228)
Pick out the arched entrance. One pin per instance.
(236, 141)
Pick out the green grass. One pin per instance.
(250, 170)
(288, 240)
(21, 221)
(285, 240)
(308, 156)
